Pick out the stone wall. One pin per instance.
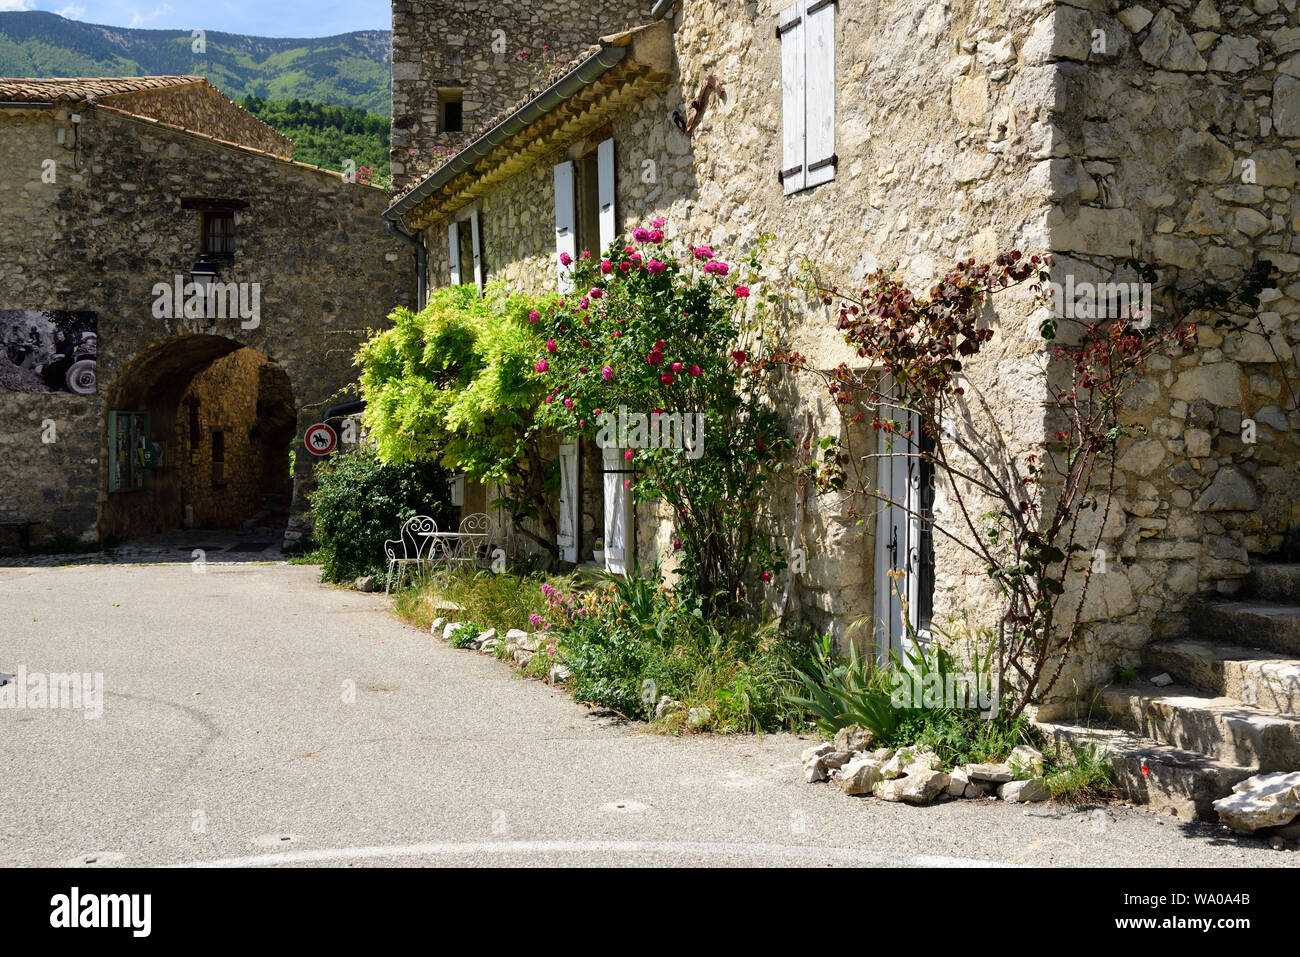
(107, 230)
(1027, 129)
(1176, 139)
(474, 46)
(203, 108)
(932, 166)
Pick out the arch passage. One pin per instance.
(225, 416)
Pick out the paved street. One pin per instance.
(225, 738)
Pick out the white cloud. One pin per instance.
(139, 19)
(72, 12)
(9, 6)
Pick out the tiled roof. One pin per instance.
(70, 89)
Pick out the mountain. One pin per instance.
(351, 69)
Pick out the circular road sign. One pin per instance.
(321, 439)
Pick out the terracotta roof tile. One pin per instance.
(76, 89)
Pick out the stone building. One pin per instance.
(864, 133)
(221, 290)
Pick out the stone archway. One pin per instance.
(224, 415)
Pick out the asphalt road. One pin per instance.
(227, 737)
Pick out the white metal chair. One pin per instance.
(419, 545)
(475, 530)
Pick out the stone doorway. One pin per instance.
(198, 434)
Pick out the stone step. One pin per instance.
(1221, 728)
(1254, 624)
(1275, 582)
(1258, 678)
(1182, 781)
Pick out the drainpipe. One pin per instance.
(662, 8)
(419, 260)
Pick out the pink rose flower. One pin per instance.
(666, 378)
(606, 267)
(695, 371)
(624, 267)
(659, 223)
(676, 367)
(742, 292)
(657, 236)
(565, 259)
(766, 576)
(722, 269)
(655, 357)
(583, 303)
(703, 252)
(542, 366)
(568, 403)
(654, 267)
(640, 234)
(627, 456)
(551, 346)
(596, 292)
(606, 373)
(740, 357)
(534, 316)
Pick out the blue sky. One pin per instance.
(268, 18)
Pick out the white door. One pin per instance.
(903, 541)
(569, 495)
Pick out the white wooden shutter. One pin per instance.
(819, 91)
(792, 29)
(620, 546)
(453, 251)
(474, 236)
(567, 538)
(605, 192)
(566, 238)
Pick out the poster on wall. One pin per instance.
(51, 350)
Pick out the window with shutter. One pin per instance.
(477, 248)
(790, 28)
(620, 545)
(567, 538)
(806, 30)
(819, 90)
(453, 251)
(605, 190)
(566, 240)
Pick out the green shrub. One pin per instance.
(1081, 775)
(360, 502)
(501, 601)
(464, 633)
(631, 641)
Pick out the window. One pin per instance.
(585, 214)
(807, 34)
(465, 248)
(218, 233)
(451, 111)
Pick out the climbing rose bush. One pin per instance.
(673, 332)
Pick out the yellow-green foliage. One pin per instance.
(454, 382)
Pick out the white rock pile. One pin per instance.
(520, 646)
(913, 775)
(1264, 801)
